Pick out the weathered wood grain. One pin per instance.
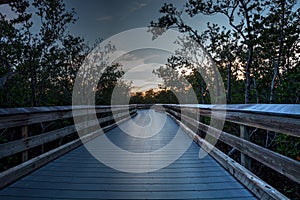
(257, 186)
(26, 143)
(277, 122)
(27, 167)
(244, 134)
(24, 136)
(282, 164)
(78, 175)
(15, 117)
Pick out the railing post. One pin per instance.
(245, 160)
(24, 135)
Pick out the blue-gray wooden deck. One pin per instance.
(78, 175)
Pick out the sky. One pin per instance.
(101, 19)
(139, 65)
(104, 18)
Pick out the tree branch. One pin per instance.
(6, 77)
(2, 2)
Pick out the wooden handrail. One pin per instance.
(278, 118)
(13, 117)
(271, 118)
(11, 148)
(24, 117)
(276, 161)
(283, 119)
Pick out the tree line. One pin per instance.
(257, 54)
(40, 58)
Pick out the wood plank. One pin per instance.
(30, 110)
(158, 187)
(255, 184)
(79, 175)
(282, 164)
(104, 169)
(285, 125)
(283, 110)
(15, 117)
(86, 194)
(25, 168)
(289, 124)
(10, 148)
(17, 146)
(124, 180)
(25, 136)
(103, 172)
(244, 134)
(32, 198)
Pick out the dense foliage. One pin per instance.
(257, 56)
(39, 58)
(259, 49)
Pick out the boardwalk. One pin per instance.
(78, 175)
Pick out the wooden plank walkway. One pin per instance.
(78, 175)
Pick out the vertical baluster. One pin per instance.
(245, 160)
(24, 135)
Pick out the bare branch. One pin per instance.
(5, 78)
(2, 2)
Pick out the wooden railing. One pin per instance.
(22, 118)
(283, 119)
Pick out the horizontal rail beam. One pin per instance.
(261, 189)
(282, 110)
(15, 117)
(13, 174)
(289, 125)
(282, 164)
(11, 148)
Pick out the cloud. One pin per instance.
(137, 6)
(142, 86)
(105, 18)
(143, 59)
(142, 77)
(139, 64)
